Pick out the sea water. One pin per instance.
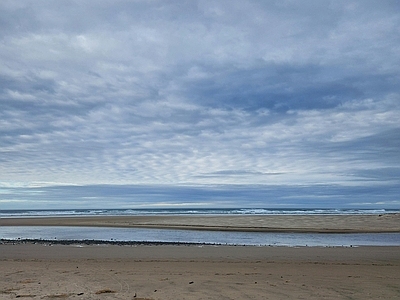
(195, 236)
(180, 211)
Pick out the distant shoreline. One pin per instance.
(383, 223)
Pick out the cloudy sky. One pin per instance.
(154, 103)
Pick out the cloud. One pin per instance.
(224, 196)
(149, 93)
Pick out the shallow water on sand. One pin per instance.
(196, 236)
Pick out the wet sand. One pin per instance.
(265, 223)
(37, 271)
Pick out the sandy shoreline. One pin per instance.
(80, 271)
(190, 272)
(263, 223)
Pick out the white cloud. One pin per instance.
(166, 92)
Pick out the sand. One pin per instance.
(45, 271)
(37, 271)
(271, 223)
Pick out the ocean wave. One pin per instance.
(207, 211)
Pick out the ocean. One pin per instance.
(190, 211)
(96, 234)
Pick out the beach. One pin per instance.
(98, 270)
(259, 223)
(41, 271)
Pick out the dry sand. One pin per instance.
(281, 223)
(190, 272)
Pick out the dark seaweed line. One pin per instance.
(101, 242)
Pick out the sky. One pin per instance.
(199, 103)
